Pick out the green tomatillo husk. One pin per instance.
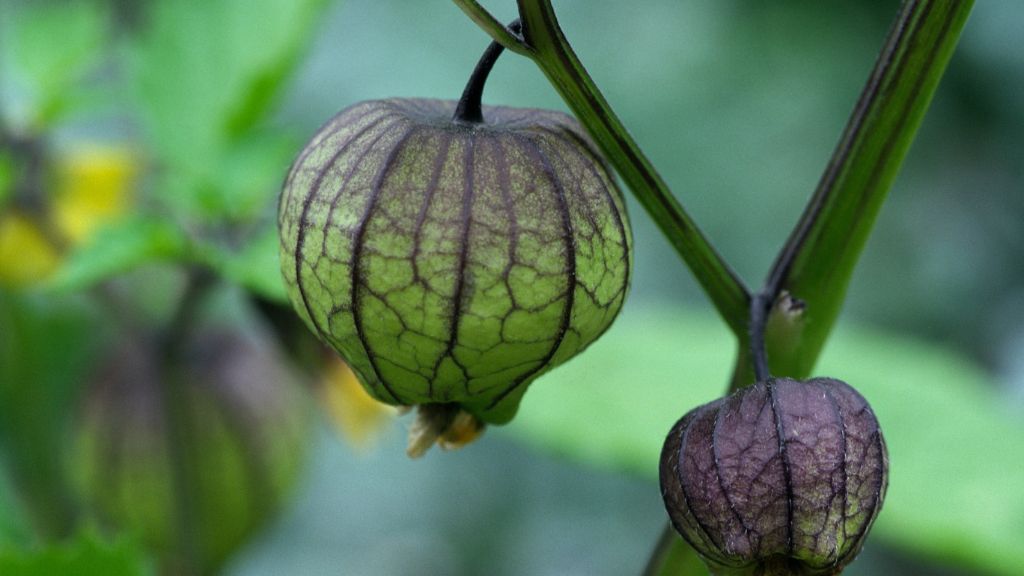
(451, 263)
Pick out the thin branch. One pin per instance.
(493, 27)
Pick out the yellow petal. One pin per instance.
(26, 256)
(94, 186)
(358, 417)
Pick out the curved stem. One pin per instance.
(553, 54)
(470, 109)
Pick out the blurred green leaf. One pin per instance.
(256, 267)
(118, 248)
(257, 164)
(86, 555)
(14, 529)
(241, 191)
(53, 45)
(956, 483)
(134, 242)
(208, 72)
(45, 348)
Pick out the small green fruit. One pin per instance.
(453, 262)
(781, 478)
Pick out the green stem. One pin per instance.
(813, 269)
(555, 57)
(817, 261)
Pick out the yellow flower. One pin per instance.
(26, 256)
(359, 418)
(93, 186)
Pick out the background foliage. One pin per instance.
(188, 113)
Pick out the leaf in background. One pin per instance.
(14, 530)
(45, 347)
(273, 52)
(256, 267)
(86, 555)
(53, 45)
(251, 174)
(118, 248)
(208, 72)
(955, 485)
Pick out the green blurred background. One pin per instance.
(738, 103)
